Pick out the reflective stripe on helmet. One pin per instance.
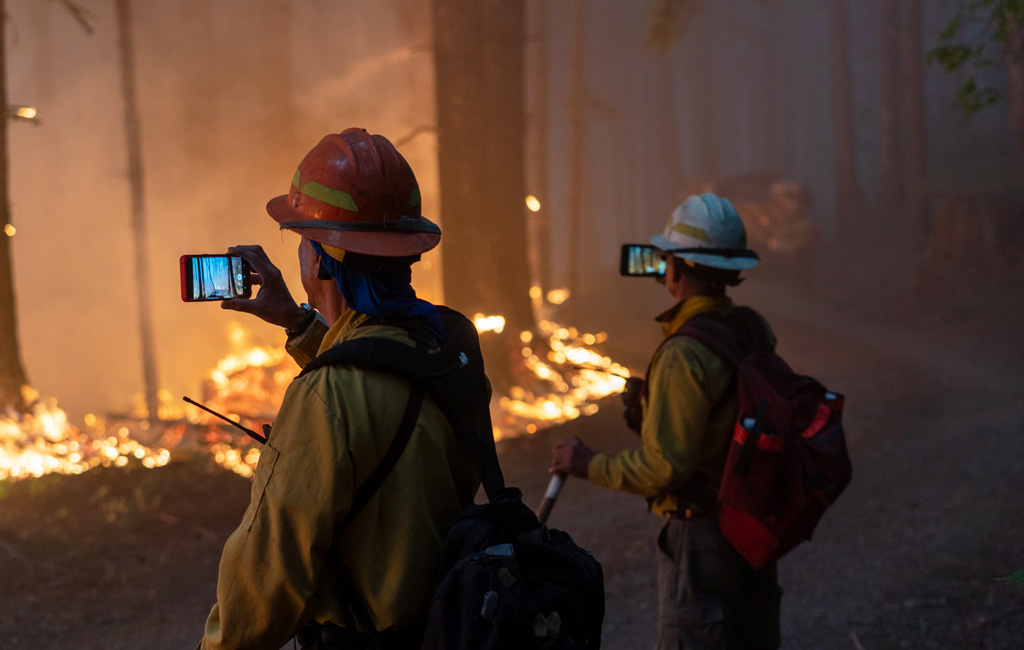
(402, 224)
(329, 195)
(689, 230)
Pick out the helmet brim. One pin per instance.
(714, 261)
(381, 244)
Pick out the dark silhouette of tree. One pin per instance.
(136, 181)
(847, 184)
(479, 62)
(13, 376)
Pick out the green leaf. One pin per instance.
(950, 57)
(951, 29)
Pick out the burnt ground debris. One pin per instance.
(909, 557)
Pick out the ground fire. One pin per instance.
(248, 386)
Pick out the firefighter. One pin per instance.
(708, 595)
(355, 203)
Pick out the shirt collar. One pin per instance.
(686, 309)
(349, 320)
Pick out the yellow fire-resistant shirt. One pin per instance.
(688, 417)
(279, 568)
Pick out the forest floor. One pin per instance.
(911, 555)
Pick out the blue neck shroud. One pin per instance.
(388, 295)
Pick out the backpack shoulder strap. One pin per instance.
(731, 338)
(464, 396)
(453, 375)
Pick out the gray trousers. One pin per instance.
(709, 597)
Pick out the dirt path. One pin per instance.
(908, 558)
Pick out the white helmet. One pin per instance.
(707, 230)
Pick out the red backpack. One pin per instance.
(787, 461)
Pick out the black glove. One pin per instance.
(631, 394)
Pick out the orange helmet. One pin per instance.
(354, 191)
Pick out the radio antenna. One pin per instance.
(252, 434)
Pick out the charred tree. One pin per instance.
(915, 122)
(12, 371)
(669, 166)
(539, 224)
(705, 122)
(577, 142)
(479, 59)
(849, 194)
(136, 181)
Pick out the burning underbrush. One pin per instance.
(567, 373)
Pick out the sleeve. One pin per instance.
(271, 563)
(303, 347)
(675, 418)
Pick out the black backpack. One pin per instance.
(505, 580)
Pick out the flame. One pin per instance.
(533, 203)
(26, 112)
(576, 375)
(558, 296)
(248, 386)
(42, 441)
(494, 324)
(10, 230)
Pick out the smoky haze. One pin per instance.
(233, 93)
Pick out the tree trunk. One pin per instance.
(12, 372)
(915, 155)
(577, 142)
(667, 133)
(133, 141)
(537, 177)
(889, 144)
(705, 127)
(848, 186)
(479, 52)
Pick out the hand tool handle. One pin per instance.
(554, 488)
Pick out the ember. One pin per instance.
(248, 385)
(42, 441)
(577, 375)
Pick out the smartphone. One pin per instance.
(641, 260)
(214, 277)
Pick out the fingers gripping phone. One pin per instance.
(640, 260)
(214, 277)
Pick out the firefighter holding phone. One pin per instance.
(709, 596)
(355, 204)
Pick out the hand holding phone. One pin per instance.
(273, 302)
(641, 260)
(214, 277)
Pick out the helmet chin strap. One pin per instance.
(321, 272)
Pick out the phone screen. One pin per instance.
(214, 277)
(640, 260)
